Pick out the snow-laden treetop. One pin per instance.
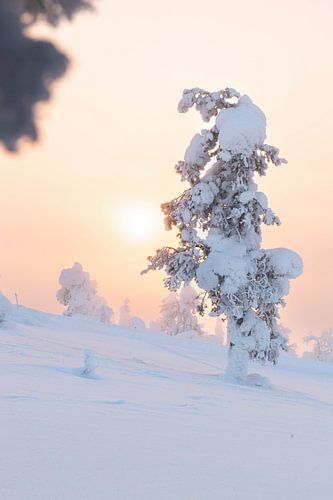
(241, 128)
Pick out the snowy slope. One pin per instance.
(158, 422)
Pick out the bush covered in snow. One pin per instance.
(218, 221)
(79, 294)
(90, 364)
(322, 346)
(178, 313)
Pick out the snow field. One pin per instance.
(157, 421)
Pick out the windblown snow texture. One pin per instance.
(157, 420)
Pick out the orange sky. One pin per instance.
(112, 135)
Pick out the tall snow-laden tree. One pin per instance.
(79, 294)
(219, 218)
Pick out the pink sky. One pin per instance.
(112, 135)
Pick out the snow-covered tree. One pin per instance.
(219, 218)
(188, 308)
(169, 312)
(79, 294)
(289, 346)
(125, 314)
(126, 319)
(178, 314)
(90, 364)
(322, 346)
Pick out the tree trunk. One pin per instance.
(238, 361)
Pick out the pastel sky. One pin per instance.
(112, 134)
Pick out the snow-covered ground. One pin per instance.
(157, 422)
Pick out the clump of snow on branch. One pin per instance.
(241, 129)
(218, 220)
(322, 346)
(178, 313)
(79, 294)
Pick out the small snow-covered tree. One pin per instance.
(290, 348)
(90, 364)
(178, 314)
(79, 294)
(188, 308)
(322, 347)
(219, 218)
(169, 313)
(125, 314)
(126, 319)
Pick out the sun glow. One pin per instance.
(138, 220)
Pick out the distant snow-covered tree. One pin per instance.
(289, 347)
(79, 294)
(169, 314)
(125, 314)
(188, 309)
(322, 346)
(126, 319)
(178, 314)
(218, 219)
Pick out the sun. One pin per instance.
(137, 220)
